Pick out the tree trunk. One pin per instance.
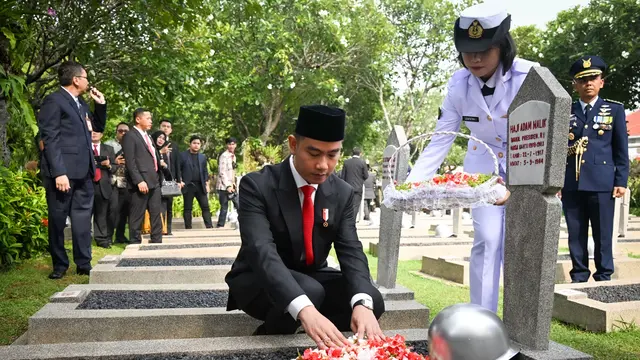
(4, 122)
(384, 108)
(272, 115)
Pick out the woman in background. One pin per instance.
(160, 140)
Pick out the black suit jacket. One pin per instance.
(355, 172)
(175, 166)
(187, 172)
(105, 173)
(139, 161)
(66, 137)
(270, 217)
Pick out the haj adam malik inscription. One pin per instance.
(528, 128)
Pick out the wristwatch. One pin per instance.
(364, 302)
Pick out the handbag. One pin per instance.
(146, 223)
(170, 189)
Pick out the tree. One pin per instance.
(606, 28)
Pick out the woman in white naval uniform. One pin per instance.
(480, 95)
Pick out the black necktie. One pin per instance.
(486, 91)
(586, 110)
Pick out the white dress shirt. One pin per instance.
(303, 301)
(96, 147)
(490, 83)
(583, 104)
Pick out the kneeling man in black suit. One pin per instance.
(290, 214)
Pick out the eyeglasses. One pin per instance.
(122, 131)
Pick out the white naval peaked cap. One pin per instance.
(481, 26)
(490, 15)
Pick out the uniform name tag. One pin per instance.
(471, 118)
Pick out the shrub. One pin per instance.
(178, 206)
(23, 216)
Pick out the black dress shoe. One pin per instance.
(261, 330)
(104, 246)
(57, 274)
(83, 272)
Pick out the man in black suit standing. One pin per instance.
(290, 215)
(195, 175)
(68, 166)
(144, 177)
(104, 198)
(355, 172)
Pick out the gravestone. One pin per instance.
(393, 169)
(457, 221)
(538, 128)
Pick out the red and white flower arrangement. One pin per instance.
(448, 191)
(390, 348)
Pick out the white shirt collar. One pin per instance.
(95, 146)
(300, 182)
(75, 98)
(592, 103)
(492, 80)
(142, 132)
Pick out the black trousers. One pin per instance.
(140, 202)
(195, 190)
(169, 205)
(357, 199)
(77, 204)
(103, 216)
(580, 208)
(327, 290)
(223, 197)
(122, 213)
(367, 209)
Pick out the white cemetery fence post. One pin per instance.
(538, 127)
(624, 217)
(617, 212)
(391, 220)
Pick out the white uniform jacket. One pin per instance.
(464, 102)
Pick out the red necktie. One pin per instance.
(152, 151)
(98, 175)
(307, 222)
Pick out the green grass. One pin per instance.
(25, 288)
(563, 250)
(436, 295)
(635, 256)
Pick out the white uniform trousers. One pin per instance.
(486, 256)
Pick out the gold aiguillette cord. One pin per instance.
(578, 149)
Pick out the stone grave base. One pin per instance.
(456, 268)
(605, 307)
(186, 349)
(187, 250)
(411, 249)
(183, 270)
(555, 352)
(108, 312)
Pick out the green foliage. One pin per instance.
(178, 206)
(607, 28)
(23, 216)
(255, 155)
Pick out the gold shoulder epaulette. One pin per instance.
(613, 101)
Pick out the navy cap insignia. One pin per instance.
(475, 30)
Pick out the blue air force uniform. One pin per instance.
(591, 176)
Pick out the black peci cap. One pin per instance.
(320, 122)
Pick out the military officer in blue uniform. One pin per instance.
(597, 175)
(480, 95)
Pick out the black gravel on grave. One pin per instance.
(421, 347)
(623, 240)
(127, 262)
(564, 257)
(438, 243)
(186, 246)
(153, 299)
(613, 294)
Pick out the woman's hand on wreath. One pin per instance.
(506, 197)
